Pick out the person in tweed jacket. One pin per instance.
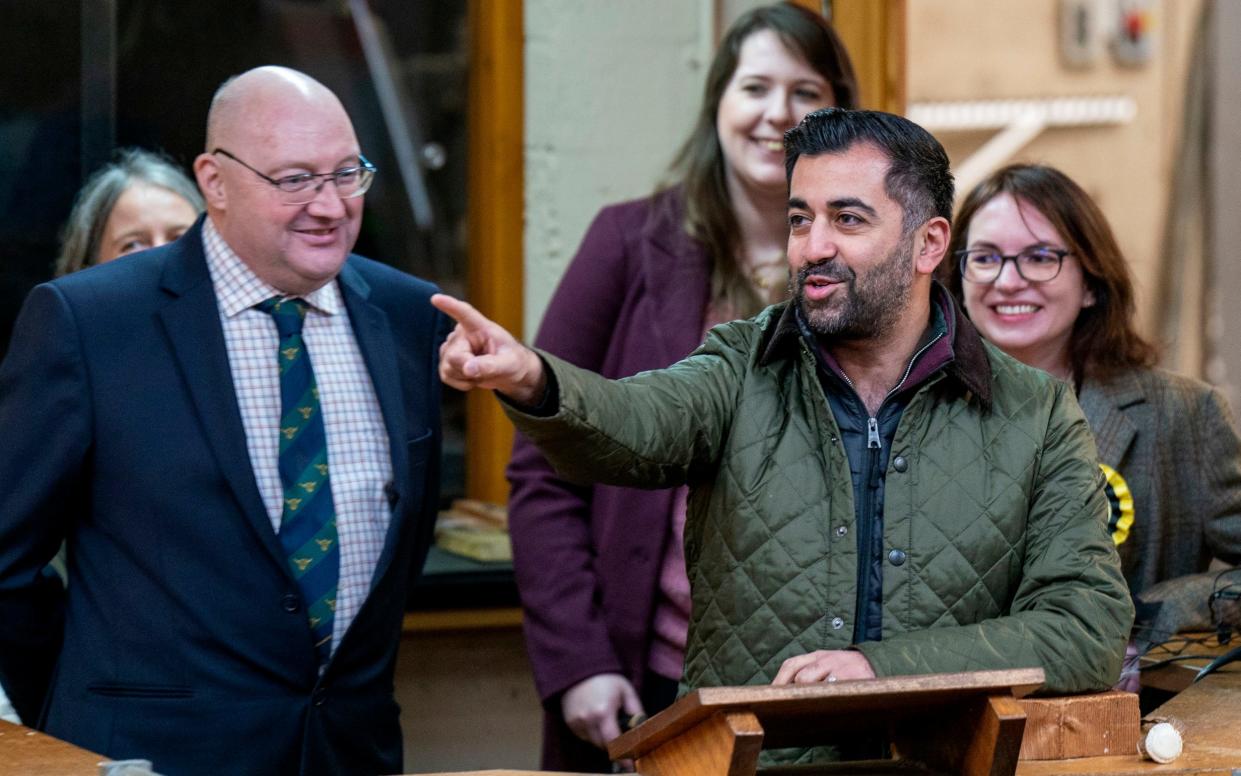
(1041, 276)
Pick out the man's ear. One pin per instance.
(930, 244)
(210, 181)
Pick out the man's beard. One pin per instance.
(870, 307)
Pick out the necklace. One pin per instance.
(768, 274)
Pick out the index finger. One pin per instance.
(460, 311)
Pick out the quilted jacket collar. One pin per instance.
(968, 364)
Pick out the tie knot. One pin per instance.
(287, 312)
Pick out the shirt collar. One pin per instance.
(239, 289)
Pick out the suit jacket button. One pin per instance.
(900, 464)
(896, 557)
(391, 494)
(290, 602)
(319, 696)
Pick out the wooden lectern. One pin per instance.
(967, 723)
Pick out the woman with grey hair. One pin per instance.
(142, 200)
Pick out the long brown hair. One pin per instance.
(1105, 340)
(699, 165)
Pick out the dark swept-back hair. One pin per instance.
(699, 165)
(83, 232)
(1104, 340)
(919, 175)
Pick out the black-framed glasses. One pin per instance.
(304, 187)
(1036, 264)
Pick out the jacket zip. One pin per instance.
(866, 530)
(866, 525)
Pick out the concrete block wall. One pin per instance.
(612, 89)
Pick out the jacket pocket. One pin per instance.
(117, 690)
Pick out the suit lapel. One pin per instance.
(379, 350)
(191, 321)
(1104, 404)
(679, 276)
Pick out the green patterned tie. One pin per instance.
(308, 519)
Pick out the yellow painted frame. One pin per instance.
(874, 34)
(494, 214)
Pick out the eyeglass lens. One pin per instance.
(1036, 265)
(350, 182)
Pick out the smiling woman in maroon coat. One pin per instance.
(600, 569)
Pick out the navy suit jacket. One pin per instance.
(184, 637)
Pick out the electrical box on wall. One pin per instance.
(1088, 28)
(1081, 32)
(1133, 38)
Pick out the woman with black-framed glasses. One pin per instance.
(1042, 277)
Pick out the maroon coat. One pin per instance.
(587, 559)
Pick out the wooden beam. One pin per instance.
(494, 216)
(818, 6)
(873, 32)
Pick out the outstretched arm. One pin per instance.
(480, 353)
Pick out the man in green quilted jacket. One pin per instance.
(874, 489)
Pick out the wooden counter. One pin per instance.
(1207, 712)
(31, 753)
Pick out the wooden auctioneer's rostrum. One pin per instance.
(968, 723)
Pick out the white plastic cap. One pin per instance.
(1163, 743)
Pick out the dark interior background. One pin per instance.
(83, 77)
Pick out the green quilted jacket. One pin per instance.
(992, 493)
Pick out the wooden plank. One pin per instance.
(727, 744)
(462, 620)
(1081, 726)
(798, 715)
(494, 214)
(32, 753)
(996, 745)
(978, 738)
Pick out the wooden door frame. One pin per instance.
(873, 32)
(494, 216)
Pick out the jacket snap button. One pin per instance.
(900, 464)
(841, 530)
(896, 557)
(838, 623)
(290, 602)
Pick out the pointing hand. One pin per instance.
(480, 353)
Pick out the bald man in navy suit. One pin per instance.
(144, 408)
